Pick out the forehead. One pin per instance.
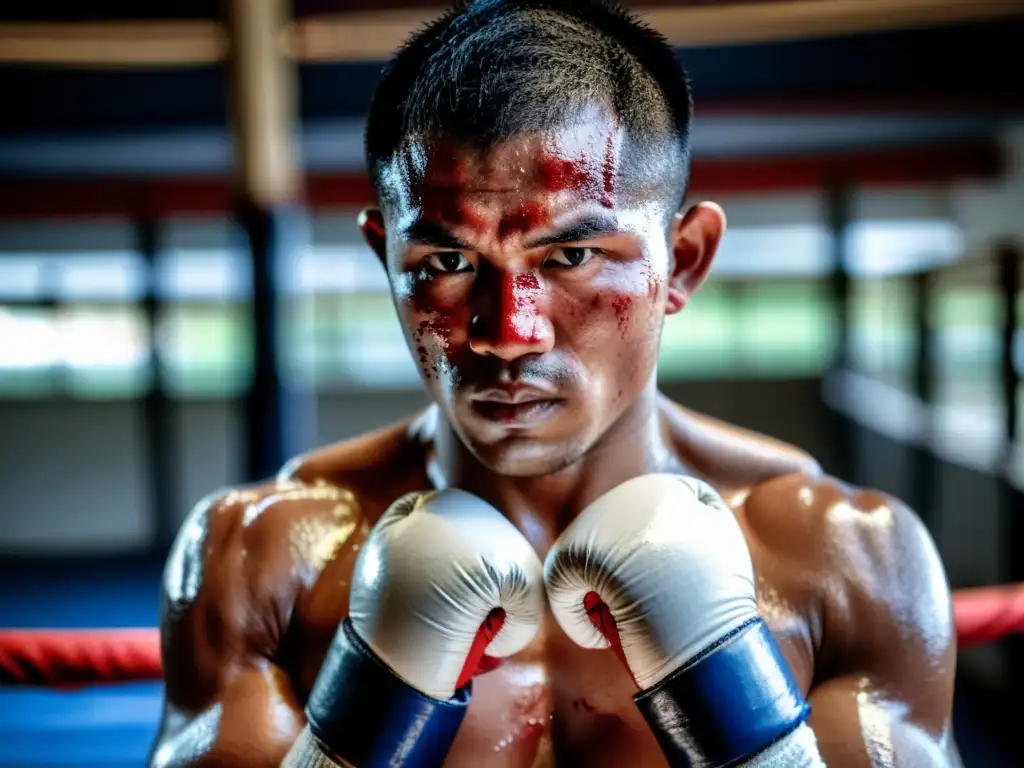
(578, 162)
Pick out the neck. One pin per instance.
(542, 506)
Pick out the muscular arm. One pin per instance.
(230, 585)
(889, 651)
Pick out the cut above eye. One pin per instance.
(569, 257)
(449, 262)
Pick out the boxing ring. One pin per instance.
(92, 696)
(72, 658)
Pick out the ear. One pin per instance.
(694, 239)
(371, 224)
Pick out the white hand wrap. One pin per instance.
(307, 752)
(797, 750)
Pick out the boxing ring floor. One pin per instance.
(114, 725)
(110, 725)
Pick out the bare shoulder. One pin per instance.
(732, 458)
(233, 574)
(378, 465)
(246, 554)
(876, 571)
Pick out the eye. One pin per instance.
(569, 257)
(449, 262)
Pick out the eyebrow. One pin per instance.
(584, 229)
(434, 234)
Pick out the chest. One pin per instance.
(557, 704)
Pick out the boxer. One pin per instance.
(708, 595)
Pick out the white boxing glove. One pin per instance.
(442, 579)
(666, 556)
(658, 568)
(431, 572)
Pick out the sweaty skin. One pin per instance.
(532, 281)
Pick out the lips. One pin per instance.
(520, 415)
(513, 395)
(515, 405)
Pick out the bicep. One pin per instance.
(857, 724)
(252, 722)
(888, 699)
(224, 705)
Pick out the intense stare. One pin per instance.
(530, 232)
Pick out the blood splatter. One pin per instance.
(530, 713)
(450, 206)
(528, 215)
(622, 305)
(608, 173)
(526, 281)
(519, 307)
(557, 174)
(443, 197)
(432, 334)
(532, 729)
(511, 316)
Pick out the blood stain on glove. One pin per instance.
(604, 623)
(477, 663)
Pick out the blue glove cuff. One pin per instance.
(364, 713)
(732, 701)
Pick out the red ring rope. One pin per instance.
(66, 658)
(986, 614)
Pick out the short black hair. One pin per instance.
(488, 71)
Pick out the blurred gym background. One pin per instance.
(185, 300)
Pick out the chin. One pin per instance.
(522, 457)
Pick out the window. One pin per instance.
(85, 350)
(71, 317)
(787, 328)
(966, 423)
(879, 248)
(772, 251)
(882, 330)
(967, 321)
(206, 348)
(883, 255)
(757, 328)
(699, 342)
(766, 311)
(72, 322)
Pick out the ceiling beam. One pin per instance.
(114, 43)
(373, 35)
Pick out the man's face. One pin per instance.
(531, 285)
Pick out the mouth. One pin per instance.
(515, 406)
(516, 414)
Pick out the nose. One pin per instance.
(511, 320)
